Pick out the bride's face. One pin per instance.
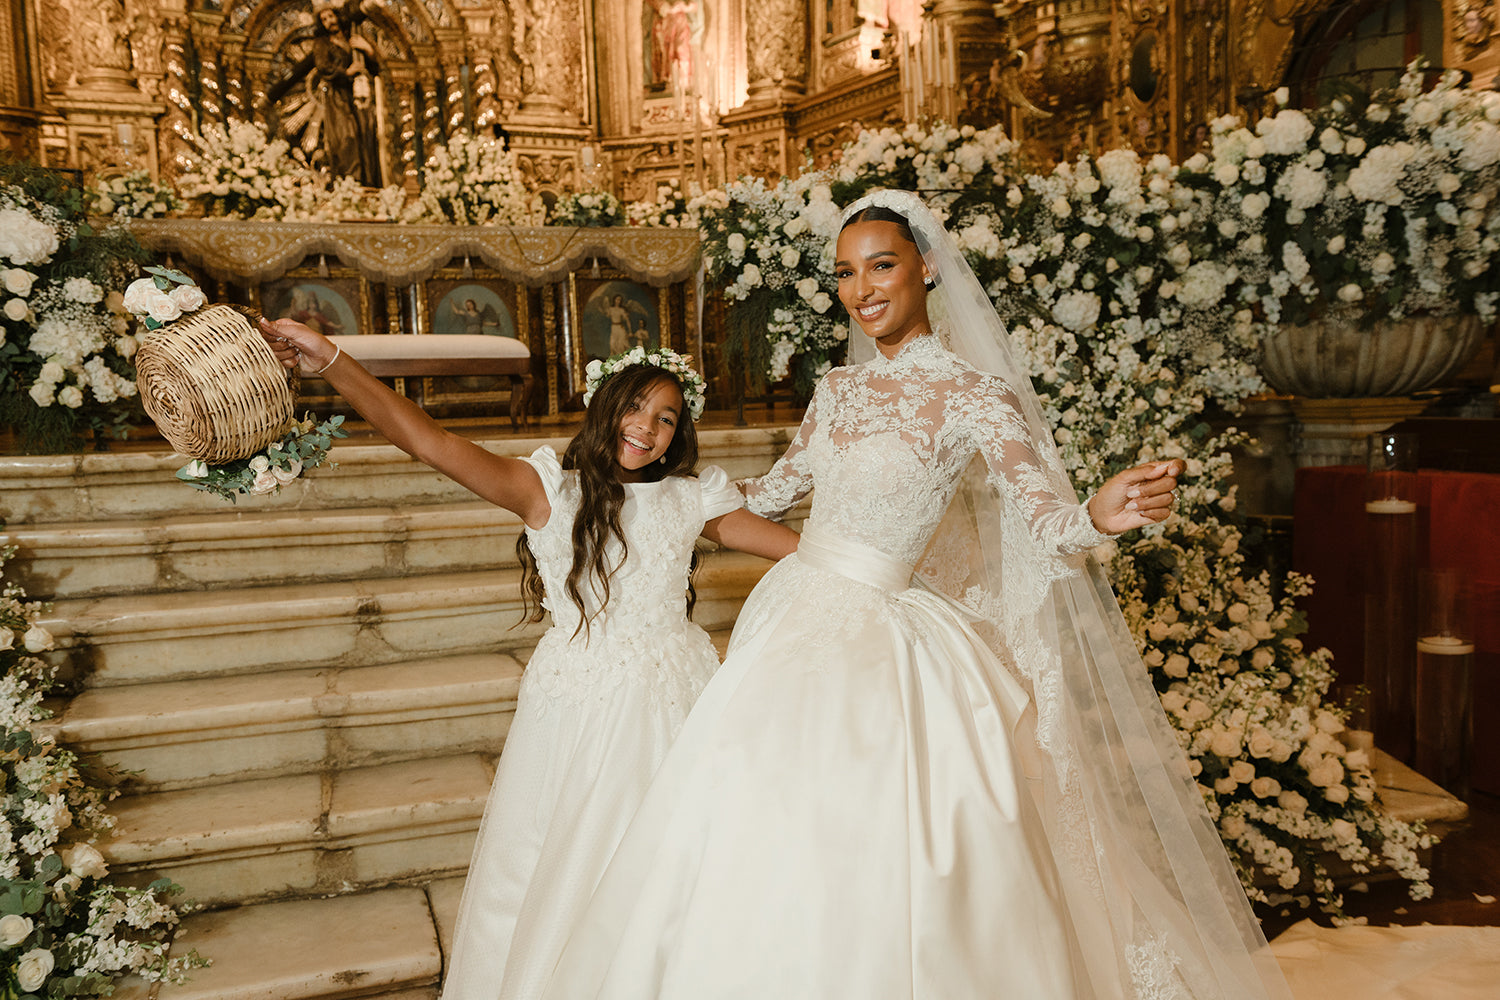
(880, 276)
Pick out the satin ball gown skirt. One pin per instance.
(843, 814)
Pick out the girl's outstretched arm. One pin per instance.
(740, 529)
(506, 482)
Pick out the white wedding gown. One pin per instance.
(595, 716)
(848, 811)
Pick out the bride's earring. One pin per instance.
(929, 282)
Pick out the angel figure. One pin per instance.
(476, 320)
(618, 311)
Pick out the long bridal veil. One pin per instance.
(1140, 861)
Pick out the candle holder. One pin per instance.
(1390, 588)
(1442, 696)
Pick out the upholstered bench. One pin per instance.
(392, 355)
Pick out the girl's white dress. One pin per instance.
(850, 810)
(594, 718)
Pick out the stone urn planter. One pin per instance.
(1335, 357)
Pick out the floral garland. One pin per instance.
(68, 930)
(587, 208)
(304, 445)
(1131, 325)
(679, 366)
(65, 341)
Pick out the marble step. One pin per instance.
(182, 734)
(374, 944)
(304, 834)
(144, 638)
(38, 489)
(259, 548)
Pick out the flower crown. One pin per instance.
(680, 366)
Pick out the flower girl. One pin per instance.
(607, 550)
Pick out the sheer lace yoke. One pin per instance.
(886, 442)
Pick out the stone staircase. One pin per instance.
(308, 693)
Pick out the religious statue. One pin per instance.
(668, 27)
(329, 106)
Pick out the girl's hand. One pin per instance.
(1136, 497)
(293, 343)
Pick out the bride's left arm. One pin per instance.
(1131, 499)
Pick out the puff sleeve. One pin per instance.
(719, 495)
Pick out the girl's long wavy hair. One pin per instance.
(594, 452)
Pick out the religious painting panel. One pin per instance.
(611, 313)
(476, 301)
(333, 300)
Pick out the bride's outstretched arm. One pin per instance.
(1130, 499)
(790, 479)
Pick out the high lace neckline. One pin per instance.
(927, 347)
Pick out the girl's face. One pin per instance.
(647, 428)
(880, 275)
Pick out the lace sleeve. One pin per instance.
(1059, 524)
(790, 479)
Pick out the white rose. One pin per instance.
(1282, 96)
(1354, 146)
(29, 240)
(1344, 831)
(736, 243)
(789, 257)
(1336, 245)
(1337, 794)
(751, 276)
(86, 862)
(1292, 802)
(287, 475)
(41, 393)
(265, 482)
(1176, 666)
(17, 310)
(38, 639)
(1233, 826)
(162, 307)
(71, 397)
(197, 469)
(35, 966)
(1242, 771)
(260, 463)
(1351, 293)
(807, 288)
(17, 281)
(189, 298)
(1265, 787)
(14, 929)
(137, 295)
(821, 302)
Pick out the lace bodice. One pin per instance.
(661, 522)
(886, 443)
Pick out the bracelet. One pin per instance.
(337, 350)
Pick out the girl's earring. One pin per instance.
(663, 460)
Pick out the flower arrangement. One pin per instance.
(239, 171)
(587, 208)
(472, 180)
(668, 210)
(163, 297)
(66, 929)
(768, 246)
(1131, 324)
(65, 341)
(680, 366)
(132, 195)
(1385, 204)
(305, 445)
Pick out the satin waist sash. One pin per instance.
(859, 562)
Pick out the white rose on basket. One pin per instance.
(14, 929)
(189, 298)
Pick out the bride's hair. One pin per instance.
(879, 213)
(594, 452)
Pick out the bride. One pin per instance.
(932, 764)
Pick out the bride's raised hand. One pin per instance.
(294, 343)
(1136, 497)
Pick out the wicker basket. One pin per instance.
(213, 386)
